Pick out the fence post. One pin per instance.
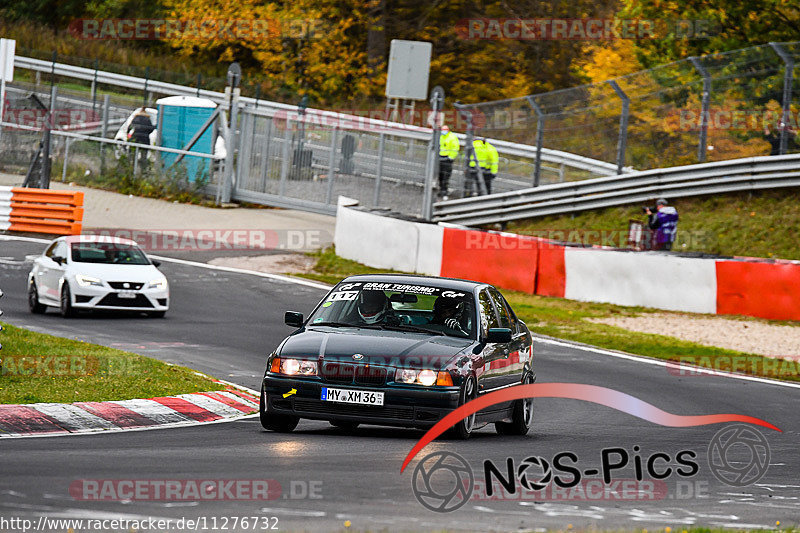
(537, 167)
(265, 162)
(104, 133)
(44, 177)
(230, 145)
(787, 94)
(437, 103)
(379, 173)
(66, 159)
(623, 125)
(94, 87)
(703, 141)
(331, 166)
(287, 140)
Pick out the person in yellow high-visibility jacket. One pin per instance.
(449, 146)
(488, 159)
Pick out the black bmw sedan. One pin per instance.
(400, 350)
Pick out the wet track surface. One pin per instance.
(225, 323)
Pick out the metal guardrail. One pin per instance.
(752, 173)
(269, 108)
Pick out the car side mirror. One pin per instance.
(59, 260)
(498, 335)
(156, 262)
(293, 318)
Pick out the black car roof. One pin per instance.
(444, 283)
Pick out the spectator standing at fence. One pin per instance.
(141, 127)
(490, 164)
(774, 138)
(665, 223)
(448, 151)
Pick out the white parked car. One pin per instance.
(96, 272)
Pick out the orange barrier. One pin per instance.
(766, 290)
(507, 261)
(551, 274)
(46, 211)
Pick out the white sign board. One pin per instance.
(7, 49)
(409, 67)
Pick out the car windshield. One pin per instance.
(112, 253)
(398, 307)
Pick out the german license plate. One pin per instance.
(361, 397)
(127, 294)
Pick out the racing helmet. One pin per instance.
(372, 306)
(445, 307)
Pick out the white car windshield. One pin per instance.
(111, 253)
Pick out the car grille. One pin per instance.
(353, 373)
(314, 406)
(120, 285)
(114, 300)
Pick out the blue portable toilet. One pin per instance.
(181, 118)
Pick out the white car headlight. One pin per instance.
(86, 281)
(159, 283)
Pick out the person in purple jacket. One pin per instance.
(665, 223)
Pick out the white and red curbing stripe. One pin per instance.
(46, 419)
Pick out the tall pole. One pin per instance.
(787, 95)
(537, 168)
(622, 138)
(437, 103)
(706, 98)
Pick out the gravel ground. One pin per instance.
(271, 264)
(743, 335)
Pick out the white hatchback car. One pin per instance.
(96, 272)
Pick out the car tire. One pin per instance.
(345, 425)
(156, 314)
(521, 415)
(33, 300)
(272, 421)
(463, 429)
(65, 303)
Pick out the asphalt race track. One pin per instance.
(225, 323)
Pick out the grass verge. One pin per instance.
(42, 368)
(569, 319)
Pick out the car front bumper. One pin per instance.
(403, 406)
(92, 297)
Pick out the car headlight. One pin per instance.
(427, 377)
(158, 283)
(423, 377)
(86, 281)
(293, 367)
(406, 375)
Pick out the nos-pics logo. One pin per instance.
(738, 456)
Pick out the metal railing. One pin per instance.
(747, 174)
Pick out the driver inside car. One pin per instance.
(373, 307)
(449, 312)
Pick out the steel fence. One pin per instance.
(281, 157)
(709, 108)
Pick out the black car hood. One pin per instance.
(376, 347)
